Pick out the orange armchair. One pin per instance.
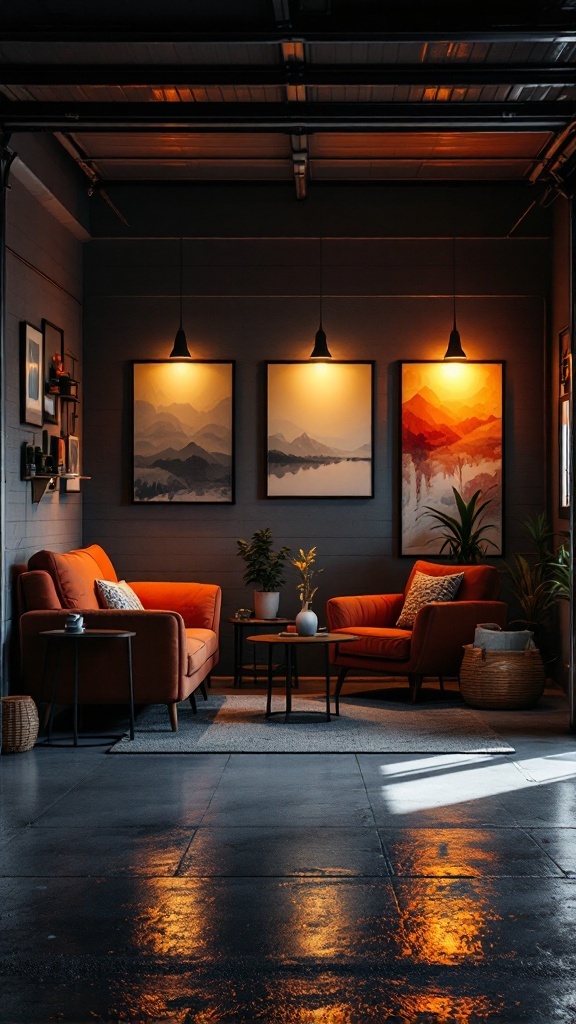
(433, 647)
(176, 642)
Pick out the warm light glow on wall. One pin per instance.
(168, 382)
(445, 379)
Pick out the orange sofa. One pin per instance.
(176, 642)
(433, 647)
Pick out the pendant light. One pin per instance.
(180, 350)
(454, 350)
(320, 350)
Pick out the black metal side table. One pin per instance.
(255, 669)
(59, 638)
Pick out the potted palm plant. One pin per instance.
(265, 570)
(465, 537)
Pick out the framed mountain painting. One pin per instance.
(320, 430)
(452, 437)
(183, 432)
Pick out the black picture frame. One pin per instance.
(207, 476)
(333, 465)
(53, 342)
(31, 375)
(411, 507)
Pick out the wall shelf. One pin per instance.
(42, 482)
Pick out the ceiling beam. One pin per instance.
(562, 33)
(428, 115)
(292, 72)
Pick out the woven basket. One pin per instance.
(19, 724)
(501, 679)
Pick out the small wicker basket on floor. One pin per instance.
(19, 724)
(501, 679)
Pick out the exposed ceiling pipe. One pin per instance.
(85, 164)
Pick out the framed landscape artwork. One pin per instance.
(452, 436)
(32, 375)
(183, 437)
(320, 430)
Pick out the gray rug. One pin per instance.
(235, 724)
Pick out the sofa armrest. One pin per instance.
(442, 628)
(198, 603)
(380, 610)
(160, 653)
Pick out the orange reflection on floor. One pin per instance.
(443, 1009)
(173, 919)
(321, 921)
(444, 922)
(445, 852)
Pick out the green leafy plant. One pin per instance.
(304, 566)
(265, 568)
(539, 578)
(464, 537)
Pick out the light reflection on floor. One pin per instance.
(426, 783)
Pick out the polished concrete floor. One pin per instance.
(293, 889)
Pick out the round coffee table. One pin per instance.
(291, 643)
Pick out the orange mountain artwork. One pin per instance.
(451, 437)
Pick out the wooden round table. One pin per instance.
(291, 642)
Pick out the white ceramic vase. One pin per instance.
(306, 621)
(266, 604)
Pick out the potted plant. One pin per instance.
(465, 536)
(538, 579)
(306, 619)
(265, 570)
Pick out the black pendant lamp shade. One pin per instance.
(454, 350)
(320, 350)
(180, 349)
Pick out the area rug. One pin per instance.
(235, 724)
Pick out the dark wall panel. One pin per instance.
(257, 299)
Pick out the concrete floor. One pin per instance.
(293, 889)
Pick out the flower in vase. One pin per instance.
(304, 565)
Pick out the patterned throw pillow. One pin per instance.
(118, 595)
(425, 589)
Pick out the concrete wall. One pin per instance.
(44, 279)
(251, 294)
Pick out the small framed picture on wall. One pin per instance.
(73, 462)
(53, 346)
(31, 375)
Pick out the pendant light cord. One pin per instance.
(454, 279)
(180, 284)
(321, 262)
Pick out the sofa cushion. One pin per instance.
(424, 590)
(480, 583)
(74, 575)
(201, 645)
(107, 570)
(374, 642)
(118, 595)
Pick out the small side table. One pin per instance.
(61, 637)
(240, 627)
(291, 643)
